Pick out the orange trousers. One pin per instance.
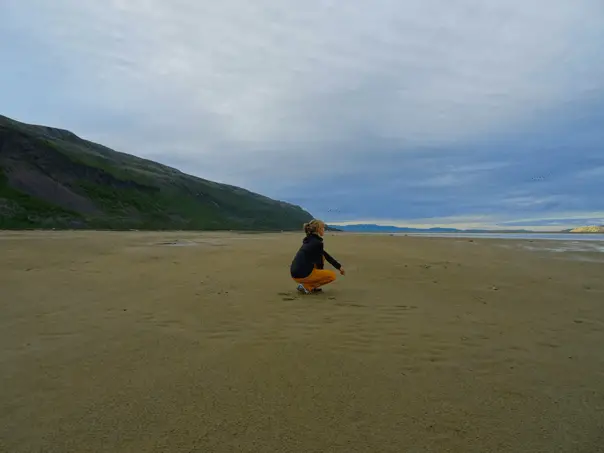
(317, 278)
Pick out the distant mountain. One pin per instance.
(588, 229)
(51, 178)
(372, 228)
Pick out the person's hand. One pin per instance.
(342, 271)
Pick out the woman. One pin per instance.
(307, 267)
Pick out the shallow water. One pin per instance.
(572, 246)
(578, 246)
(543, 236)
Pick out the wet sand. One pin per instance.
(121, 342)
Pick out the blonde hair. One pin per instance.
(313, 226)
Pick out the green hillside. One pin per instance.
(51, 178)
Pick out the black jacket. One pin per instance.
(311, 255)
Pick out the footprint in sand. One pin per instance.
(345, 304)
(289, 296)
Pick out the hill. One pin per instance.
(588, 229)
(372, 228)
(51, 178)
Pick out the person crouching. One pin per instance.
(307, 266)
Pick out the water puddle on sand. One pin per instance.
(178, 244)
(185, 243)
(587, 259)
(589, 247)
(574, 251)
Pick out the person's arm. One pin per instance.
(333, 262)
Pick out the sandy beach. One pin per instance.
(198, 342)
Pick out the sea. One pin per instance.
(523, 236)
(574, 246)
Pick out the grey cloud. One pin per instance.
(418, 71)
(332, 104)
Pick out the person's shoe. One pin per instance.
(302, 289)
(317, 290)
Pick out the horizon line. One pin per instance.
(462, 227)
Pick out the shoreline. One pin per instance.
(517, 236)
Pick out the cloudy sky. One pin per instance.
(422, 112)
